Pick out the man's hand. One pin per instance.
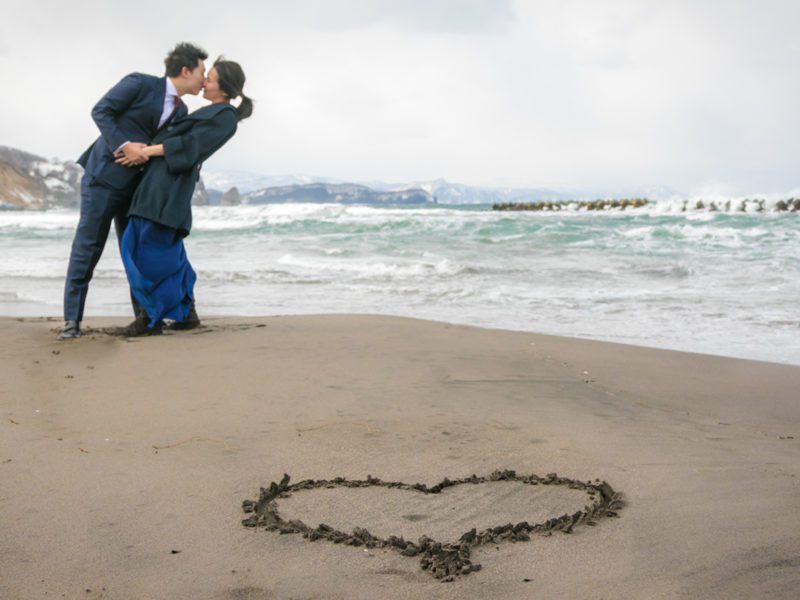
(131, 155)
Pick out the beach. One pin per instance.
(124, 463)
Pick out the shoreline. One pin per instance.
(661, 280)
(105, 321)
(125, 462)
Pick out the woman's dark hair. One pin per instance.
(183, 55)
(231, 82)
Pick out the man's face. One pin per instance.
(195, 78)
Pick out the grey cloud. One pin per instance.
(563, 92)
(466, 16)
(443, 16)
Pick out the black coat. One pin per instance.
(165, 193)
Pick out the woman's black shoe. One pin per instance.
(139, 327)
(190, 322)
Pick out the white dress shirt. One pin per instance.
(171, 100)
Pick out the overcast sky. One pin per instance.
(696, 95)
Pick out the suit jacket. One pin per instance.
(165, 192)
(129, 112)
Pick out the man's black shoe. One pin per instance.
(71, 331)
(138, 327)
(190, 322)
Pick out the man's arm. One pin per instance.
(110, 106)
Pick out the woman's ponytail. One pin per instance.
(245, 108)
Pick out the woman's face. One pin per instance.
(211, 91)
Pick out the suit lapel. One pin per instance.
(178, 112)
(181, 112)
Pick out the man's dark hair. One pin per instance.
(183, 55)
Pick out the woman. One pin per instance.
(152, 248)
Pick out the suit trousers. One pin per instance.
(100, 205)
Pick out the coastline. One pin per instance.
(711, 282)
(115, 453)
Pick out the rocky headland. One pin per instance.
(28, 181)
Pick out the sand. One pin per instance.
(124, 463)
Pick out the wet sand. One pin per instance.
(124, 463)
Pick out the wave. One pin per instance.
(377, 268)
(490, 226)
(15, 298)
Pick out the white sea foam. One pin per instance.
(21, 220)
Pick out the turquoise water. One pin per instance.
(721, 283)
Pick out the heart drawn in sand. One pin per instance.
(443, 560)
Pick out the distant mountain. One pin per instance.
(28, 181)
(446, 192)
(440, 190)
(342, 193)
(247, 182)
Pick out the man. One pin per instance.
(128, 117)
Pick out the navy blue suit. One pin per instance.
(129, 112)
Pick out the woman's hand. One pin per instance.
(132, 154)
(140, 156)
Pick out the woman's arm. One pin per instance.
(157, 150)
(184, 152)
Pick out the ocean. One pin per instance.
(714, 282)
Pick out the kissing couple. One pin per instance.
(141, 174)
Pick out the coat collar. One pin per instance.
(208, 112)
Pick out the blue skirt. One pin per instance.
(160, 276)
